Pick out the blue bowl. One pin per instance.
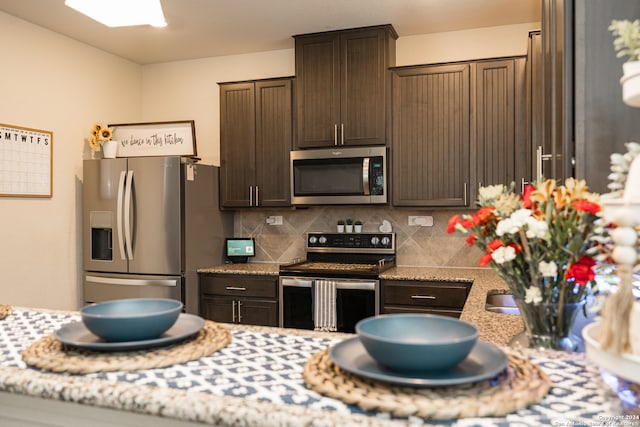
(134, 319)
(417, 342)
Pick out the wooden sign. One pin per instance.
(155, 139)
(25, 162)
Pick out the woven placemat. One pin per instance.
(520, 385)
(5, 311)
(50, 354)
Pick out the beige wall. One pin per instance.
(54, 83)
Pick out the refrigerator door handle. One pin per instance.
(132, 282)
(119, 214)
(127, 214)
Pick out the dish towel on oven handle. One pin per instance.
(325, 317)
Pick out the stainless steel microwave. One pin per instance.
(339, 176)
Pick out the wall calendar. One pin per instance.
(25, 162)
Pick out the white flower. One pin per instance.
(536, 229)
(533, 295)
(487, 195)
(514, 223)
(503, 254)
(548, 269)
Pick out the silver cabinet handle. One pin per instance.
(523, 183)
(235, 288)
(539, 158)
(233, 311)
(335, 134)
(464, 189)
(239, 312)
(342, 133)
(257, 196)
(422, 297)
(251, 195)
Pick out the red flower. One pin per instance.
(493, 245)
(485, 260)
(526, 196)
(467, 222)
(485, 214)
(581, 271)
(586, 206)
(471, 239)
(451, 225)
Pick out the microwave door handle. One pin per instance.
(127, 214)
(119, 214)
(365, 176)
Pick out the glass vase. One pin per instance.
(549, 325)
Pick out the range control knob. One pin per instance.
(322, 240)
(375, 240)
(385, 241)
(313, 240)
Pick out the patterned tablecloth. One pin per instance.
(266, 366)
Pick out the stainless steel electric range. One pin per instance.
(351, 263)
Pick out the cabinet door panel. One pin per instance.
(431, 136)
(258, 312)
(217, 309)
(318, 90)
(363, 77)
(273, 142)
(494, 120)
(237, 154)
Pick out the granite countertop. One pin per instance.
(249, 268)
(494, 327)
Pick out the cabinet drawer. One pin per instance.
(420, 310)
(425, 294)
(251, 286)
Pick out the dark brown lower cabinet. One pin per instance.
(242, 299)
(414, 296)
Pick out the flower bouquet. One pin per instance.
(538, 243)
(101, 137)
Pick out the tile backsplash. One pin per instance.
(425, 246)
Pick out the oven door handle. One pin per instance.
(297, 283)
(361, 286)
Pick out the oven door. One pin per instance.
(355, 300)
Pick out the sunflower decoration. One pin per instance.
(99, 134)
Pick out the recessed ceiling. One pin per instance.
(207, 28)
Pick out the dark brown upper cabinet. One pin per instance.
(498, 123)
(431, 140)
(343, 86)
(255, 141)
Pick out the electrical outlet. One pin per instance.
(422, 221)
(274, 220)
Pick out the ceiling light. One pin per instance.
(121, 13)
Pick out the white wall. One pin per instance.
(53, 83)
(490, 42)
(188, 90)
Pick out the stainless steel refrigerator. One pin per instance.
(148, 224)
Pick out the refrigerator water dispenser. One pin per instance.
(101, 235)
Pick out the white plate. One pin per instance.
(626, 366)
(77, 335)
(485, 361)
